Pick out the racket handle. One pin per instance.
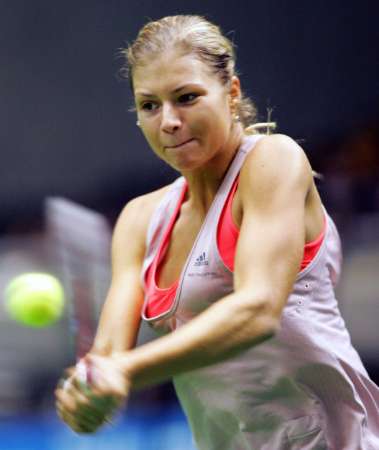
(84, 376)
(84, 373)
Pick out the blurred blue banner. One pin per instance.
(137, 430)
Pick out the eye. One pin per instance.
(149, 106)
(187, 98)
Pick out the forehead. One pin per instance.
(167, 72)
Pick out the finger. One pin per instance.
(65, 416)
(80, 385)
(105, 379)
(81, 427)
(89, 421)
(75, 390)
(60, 412)
(85, 428)
(74, 402)
(92, 414)
(69, 371)
(84, 419)
(63, 383)
(65, 401)
(70, 400)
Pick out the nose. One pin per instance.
(170, 120)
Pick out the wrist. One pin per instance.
(125, 363)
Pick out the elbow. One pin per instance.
(268, 326)
(262, 316)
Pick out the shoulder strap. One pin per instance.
(159, 222)
(234, 169)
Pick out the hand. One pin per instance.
(107, 378)
(86, 407)
(74, 407)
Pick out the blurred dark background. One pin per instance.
(65, 130)
(65, 127)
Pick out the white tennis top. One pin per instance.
(303, 389)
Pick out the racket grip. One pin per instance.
(85, 377)
(84, 373)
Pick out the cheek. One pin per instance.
(211, 121)
(150, 135)
(217, 125)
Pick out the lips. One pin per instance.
(179, 145)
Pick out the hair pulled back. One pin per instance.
(190, 34)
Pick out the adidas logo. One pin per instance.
(201, 260)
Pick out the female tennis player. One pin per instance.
(234, 265)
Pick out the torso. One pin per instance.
(189, 222)
(186, 228)
(286, 370)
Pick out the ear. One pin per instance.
(235, 88)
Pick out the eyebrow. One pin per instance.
(183, 86)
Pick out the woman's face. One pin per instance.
(183, 110)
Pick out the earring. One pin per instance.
(138, 123)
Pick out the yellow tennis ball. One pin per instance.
(35, 299)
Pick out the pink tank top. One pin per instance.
(161, 299)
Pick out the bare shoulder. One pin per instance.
(139, 209)
(276, 160)
(132, 223)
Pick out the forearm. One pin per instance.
(223, 330)
(109, 342)
(120, 319)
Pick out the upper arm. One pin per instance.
(121, 314)
(274, 183)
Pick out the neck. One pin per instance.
(204, 183)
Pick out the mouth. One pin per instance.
(179, 145)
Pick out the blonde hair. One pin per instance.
(196, 35)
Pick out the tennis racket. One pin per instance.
(80, 239)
